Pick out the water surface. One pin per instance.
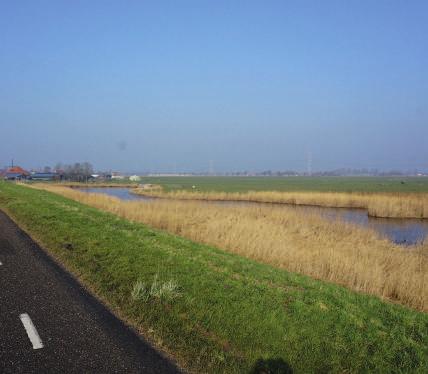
(402, 231)
(120, 192)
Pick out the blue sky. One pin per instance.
(254, 85)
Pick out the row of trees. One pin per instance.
(78, 172)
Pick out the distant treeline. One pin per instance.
(330, 173)
(344, 172)
(78, 172)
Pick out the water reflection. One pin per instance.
(121, 193)
(401, 231)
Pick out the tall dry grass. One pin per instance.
(96, 184)
(392, 205)
(342, 253)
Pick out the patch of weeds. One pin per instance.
(140, 292)
(163, 291)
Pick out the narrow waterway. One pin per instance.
(401, 231)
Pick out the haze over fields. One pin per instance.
(189, 85)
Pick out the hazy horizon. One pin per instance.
(136, 86)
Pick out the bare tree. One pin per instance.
(79, 172)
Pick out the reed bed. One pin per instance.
(97, 184)
(385, 205)
(304, 243)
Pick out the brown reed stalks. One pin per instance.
(386, 205)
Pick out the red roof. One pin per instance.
(18, 170)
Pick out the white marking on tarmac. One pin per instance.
(31, 331)
(1, 263)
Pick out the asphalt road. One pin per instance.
(78, 334)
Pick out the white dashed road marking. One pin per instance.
(31, 331)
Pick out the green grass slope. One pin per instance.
(226, 313)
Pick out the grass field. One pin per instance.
(317, 184)
(224, 313)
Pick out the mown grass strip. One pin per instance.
(229, 314)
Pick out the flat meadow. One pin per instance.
(291, 184)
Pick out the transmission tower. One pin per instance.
(309, 163)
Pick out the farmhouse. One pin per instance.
(16, 173)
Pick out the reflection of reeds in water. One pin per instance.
(392, 205)
(354, 257)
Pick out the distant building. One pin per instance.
(117, 176)
(13, 176)
(16, 173)
(17, 170)
(100, 176)
(44, 176)
(135, 178)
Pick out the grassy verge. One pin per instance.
(216, 311)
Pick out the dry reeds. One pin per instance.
(338, 252)
(386, 205)
(99, 185)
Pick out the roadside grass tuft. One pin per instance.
(164, 291)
